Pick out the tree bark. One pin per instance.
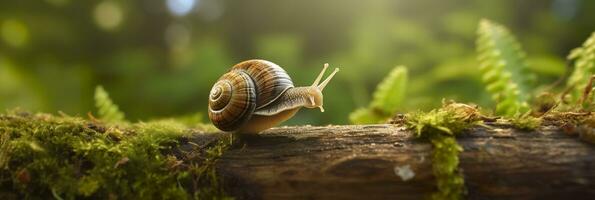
(358, 162)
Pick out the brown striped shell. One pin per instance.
(248, 86)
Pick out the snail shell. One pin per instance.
(248, 86)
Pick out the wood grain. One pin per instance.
(358, 162)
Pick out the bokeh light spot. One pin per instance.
(108, 15)
(15, 33)
(180, 7)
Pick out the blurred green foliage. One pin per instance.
(156, 62)
(388, 98)
(503, 68)
(584, 68)
(107, 110)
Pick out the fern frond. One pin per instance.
(390, 92)
(107, 110)
(387, 99)
(584, 68)
(503, 68)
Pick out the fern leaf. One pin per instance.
(390, 92)
(584, 67)
(387, 99)
(107, 110)
(503, 68)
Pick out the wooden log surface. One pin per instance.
(358, 162)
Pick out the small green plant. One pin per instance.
(503, 68)
(440, 126)
(108, 111)
(388, 98)
(584, 67)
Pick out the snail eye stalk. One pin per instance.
(328, 79)
(320, 75)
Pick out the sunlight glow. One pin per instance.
(180, 7)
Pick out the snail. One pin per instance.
(255, 95)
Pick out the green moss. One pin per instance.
(451, 119)
(206, 172)
(440, 127)
(68, 158)
(445, 166)
(525, 121)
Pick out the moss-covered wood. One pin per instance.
(363, 162)
(63, 157)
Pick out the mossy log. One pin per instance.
(360, 162)
(71, 158)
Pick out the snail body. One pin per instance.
(255, 95)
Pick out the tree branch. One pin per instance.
(358, 162)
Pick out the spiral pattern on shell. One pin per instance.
(232, 100)
(271, 81)
(248, 86)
